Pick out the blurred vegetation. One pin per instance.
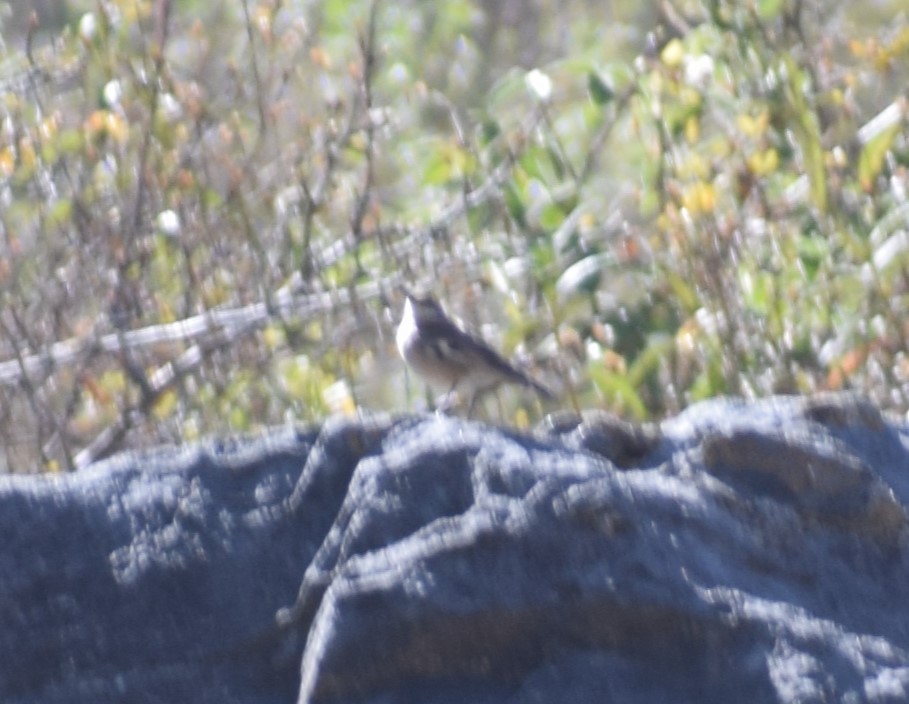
(206, 209)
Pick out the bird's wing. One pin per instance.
(466, 350)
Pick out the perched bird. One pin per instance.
(447, 356)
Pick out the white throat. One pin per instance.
(407, 332)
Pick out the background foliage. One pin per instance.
(207, 209)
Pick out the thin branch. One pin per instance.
(228, 321)
(161, 33)
(594, 151)
(43, 414)
(361, 206)
(153, 386)
(254, 65)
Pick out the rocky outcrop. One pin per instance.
(754, 550)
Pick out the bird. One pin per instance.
(446, 355)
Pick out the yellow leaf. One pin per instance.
(27, 155)
(117, 127)
(763, 163)
(7, 162)
(165, 404)
(754, 126)
(48, 128)
(673, 54)
(893, 50)
(274, 337)
(687, 337)
(263, 20)
(700, 198)
(692, 129)
(104, 123)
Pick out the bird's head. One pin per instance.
(424, 309)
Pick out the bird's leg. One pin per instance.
(444, 402)
(478, 395)
(473, 402)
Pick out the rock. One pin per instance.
(752, 550)
(619, 441)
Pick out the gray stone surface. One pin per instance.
(739, 552)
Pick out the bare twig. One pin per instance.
(110, 439)
(361, 205)
(230, 321)
(254, 65)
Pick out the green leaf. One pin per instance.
(618, 391)
(769, 9)
(489, 131)
(437, 170)
(536, 163)
(808, 133)
(600, 92)
(70, 141)
(648, 361)
(551, 216)
(556, 161)
(709, 383)
(507, 90)
(813, 250)
(871, 160)
(514, 205)
(212, 198)
(60, 213)
(684, 292)
(757, 289)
